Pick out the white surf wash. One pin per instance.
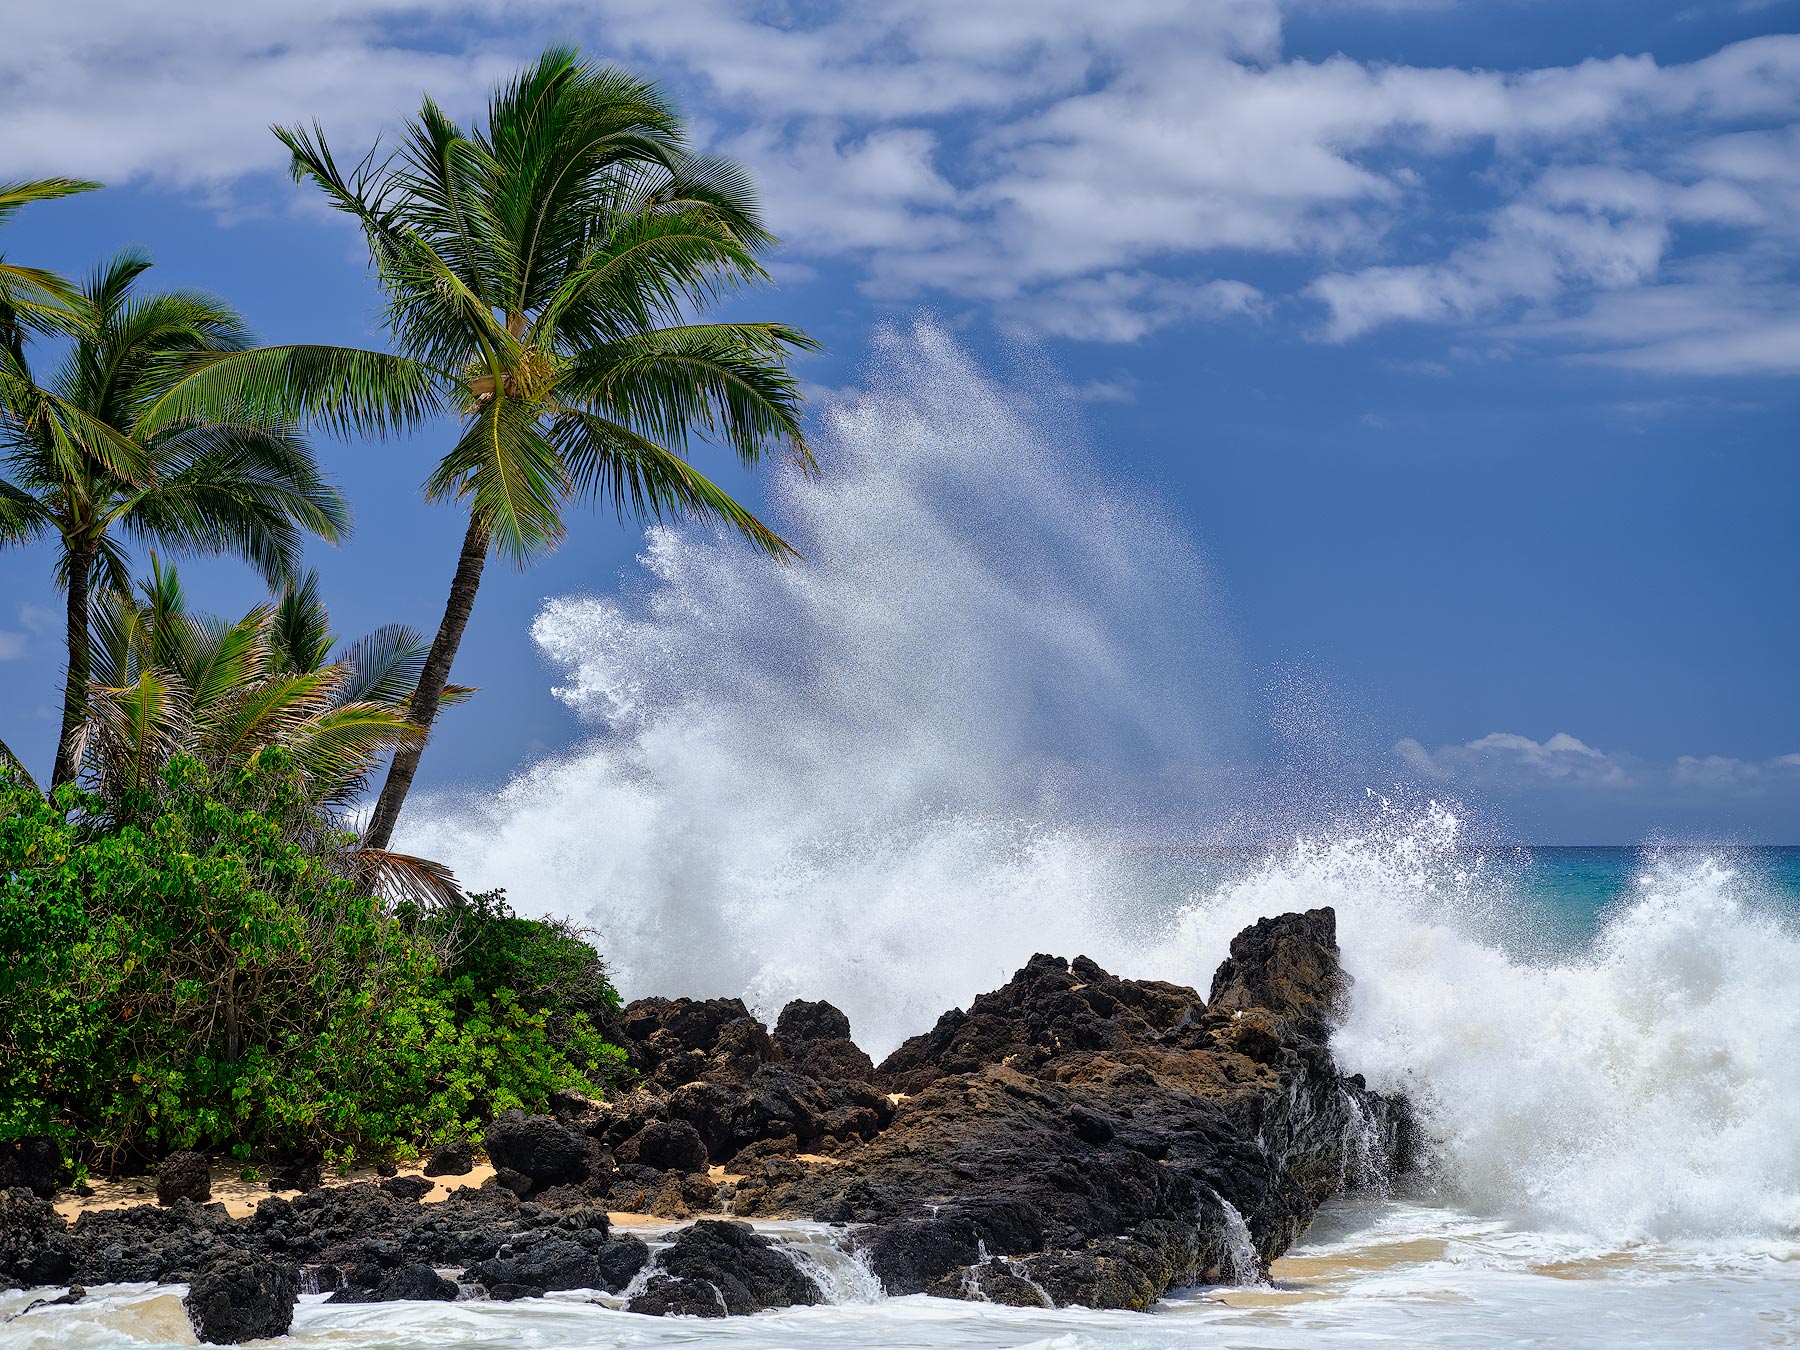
(1643, 1088)
(868, 777)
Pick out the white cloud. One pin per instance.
(34, 622)
(1508, 760)
(1081, 166)
(1125, 306)
(37, 619)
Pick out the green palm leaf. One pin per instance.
(613, 463)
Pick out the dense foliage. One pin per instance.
(176, 971)
(195, 951)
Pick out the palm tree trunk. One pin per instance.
(422, 711)
(75, 682)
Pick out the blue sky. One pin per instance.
(1462, 336)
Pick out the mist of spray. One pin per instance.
(887, 774)
(954, 735)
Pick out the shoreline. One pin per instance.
(1073, 1138)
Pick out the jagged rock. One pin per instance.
(34, 1243)
(33, 1163)
(617, 1119)
(815, 1039)
(584, 1260)
(676, 1041)
(372, 1283)
(407, 1188)
(242, 1297)
(667, 1145)
(540, 1148)
(146, 1242)
(454, 1159)
(506, 1179)
(184, 1175)
(717, 1267)
(1090, 1125)
(1050, 1007)
(774, 1101)
(1289, 966)
(387, 1169)
(574, 1107)
(1117, 1272)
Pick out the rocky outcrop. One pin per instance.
(34, 1243)
(536, 1264)
(1071, 1137)
(542, 1149)
(408, 1187)
(667, 1146)
(184, 1175)
(710, 1064)
(242, 1297)
(718, 1268)
(1104, 1136)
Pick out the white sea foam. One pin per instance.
(886, 776)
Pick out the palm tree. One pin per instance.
(542, 272)
(101, 451)
(36, 296)
(167, 681)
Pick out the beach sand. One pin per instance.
(241, 1197)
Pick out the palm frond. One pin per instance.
(20, 192)
(240, 490)
(382, 667)
(345, 389)
(404, 877)
(11, 763)
(725, 380)
(611, 462)
(132, 730)
(300, 634)
(23, 517)
(340, 744)
(511, 477)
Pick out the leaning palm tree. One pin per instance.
(96, 453)
(167, 681)
(543, 272)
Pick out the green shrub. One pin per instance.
(180, 971)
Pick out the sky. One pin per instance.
(1462, 335)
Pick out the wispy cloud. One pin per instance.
(1085, 169)
(34, 622)
(1507, 760)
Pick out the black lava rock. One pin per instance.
(407, 1188)
(454, 1159)
(586, 1260)
(371, 1283)
(184, 1175)
(31, 1163)
(668, 1146)
(34, 1245)
(241, 1297)
(540, 1148)
(717, 1267)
